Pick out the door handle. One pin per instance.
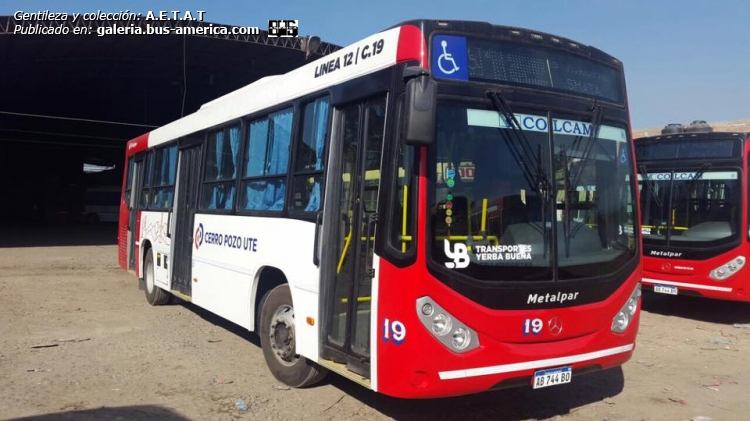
(316, 244)
(372, 219)
(169, 224)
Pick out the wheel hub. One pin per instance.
(149, 277)
(281, 333)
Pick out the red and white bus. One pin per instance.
(694, 207)
(440, 209)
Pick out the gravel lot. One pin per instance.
(107, 354)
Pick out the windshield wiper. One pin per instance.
(691, 183)
(687, 191)
(650, 185)
(521, 149)
(697, 176)
(596, 121)
(530, 162)
(568, 195)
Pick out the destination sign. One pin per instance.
(688, 149)
(467, 59)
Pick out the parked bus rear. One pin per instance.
(694, 208)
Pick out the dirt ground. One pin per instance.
(109, 355)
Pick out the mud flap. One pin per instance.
(141, 284)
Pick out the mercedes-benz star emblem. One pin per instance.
(555, 325)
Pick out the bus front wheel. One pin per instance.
(278, 340)
(155, 295)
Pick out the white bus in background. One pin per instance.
(102, 204)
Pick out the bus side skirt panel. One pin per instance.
(229, 251)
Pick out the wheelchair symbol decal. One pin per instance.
(446, 57)
(450, 57)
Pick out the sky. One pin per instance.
(684, 60)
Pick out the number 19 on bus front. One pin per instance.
(394, 330)
(532, 326)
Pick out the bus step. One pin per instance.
(342, 370)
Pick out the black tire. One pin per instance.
(278, 348)
(154, 295)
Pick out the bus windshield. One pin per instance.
(691, 208)
(495, 203)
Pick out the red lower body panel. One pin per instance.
(691, 277)
(419, 366)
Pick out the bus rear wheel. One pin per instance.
(154, 295)
(278, 340)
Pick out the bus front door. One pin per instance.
(133, 208)
(351, 205)
(188, 183)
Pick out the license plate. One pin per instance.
(665, 289)
(552, 377)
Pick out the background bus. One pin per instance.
(394, 213)
(102, 204)
(694, 207)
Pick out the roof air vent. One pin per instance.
(698, 126)
(672, 128)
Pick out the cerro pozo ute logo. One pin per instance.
(199, 236)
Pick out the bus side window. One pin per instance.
(145, 202)
(128, 182)
(163, 180)
(267, 162)
(308, 168)
(221, 164)
(402, 227)
(404, 191)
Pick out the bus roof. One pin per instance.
(340, 66)
(512, 33)
(403, 42)
(683, 147)
(697, 136)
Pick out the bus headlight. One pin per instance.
(728, 269)
(626, 314)
(441, 324)
(621, 322)
(461, 338)
(448, 330)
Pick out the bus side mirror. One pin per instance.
(420, 104)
